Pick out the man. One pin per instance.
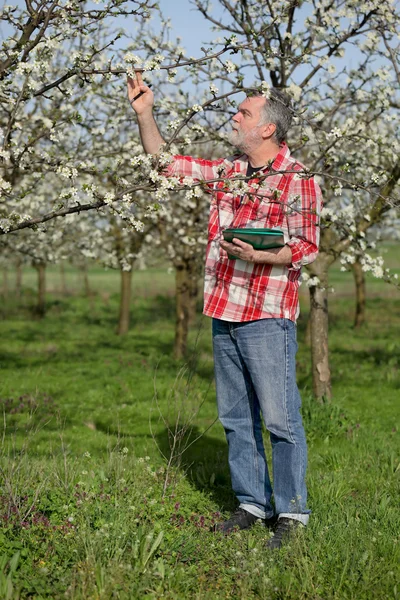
(253, 300)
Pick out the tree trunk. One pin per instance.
(64, 290)
(86, 287)
(182, 289)
(193, 295)
(359, 280)
(307, 335)
(319, 343)
(41, 296)
(321, 374)
(18, 280)
(5, 283)
(125, 301)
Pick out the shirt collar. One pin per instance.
(278, 163)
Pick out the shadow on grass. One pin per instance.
(28, 414)
(205, 462)
(144, 311)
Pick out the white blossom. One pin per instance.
(230, 67)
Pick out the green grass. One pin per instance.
(83, 511)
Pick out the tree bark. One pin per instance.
(359, 280)
(41, 295)
(307, 335)
(18, 280)
(125, 301)
(5, 283)
(183, 289)
(86, 286)
(64, 290)
(321, 375)
(193, 295)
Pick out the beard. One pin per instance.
(246, 142)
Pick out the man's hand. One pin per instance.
(140, 95)
(273, 256)
(239, 249)
(142, 99)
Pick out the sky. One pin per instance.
(194, 30)
(188, 24)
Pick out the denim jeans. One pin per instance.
(255, 373)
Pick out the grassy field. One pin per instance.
(93, 505)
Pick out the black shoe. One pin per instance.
(284, 530)
(240, 519)
(271, 522)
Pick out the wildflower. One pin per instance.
(87, 454)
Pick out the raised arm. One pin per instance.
(141, 99)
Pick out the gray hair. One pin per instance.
(278, 110)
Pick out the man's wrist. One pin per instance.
(146, 115)
(273, 256)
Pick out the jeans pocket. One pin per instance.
(290, 325)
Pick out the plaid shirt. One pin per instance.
(238, 290)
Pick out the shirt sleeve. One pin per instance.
(198, 169)
(303, 218)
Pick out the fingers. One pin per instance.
(139, 78)
(229, 246)
(240, 243)
(135, 82)
(136, 87)
(238, 248)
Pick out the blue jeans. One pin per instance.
(255, 373)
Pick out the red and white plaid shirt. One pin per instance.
(238, 290)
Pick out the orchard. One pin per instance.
(113, 466)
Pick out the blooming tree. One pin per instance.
(41, 248)
(347, 117)
(48, 57)
(346, 112)
(182, 226)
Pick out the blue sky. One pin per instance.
(188, 24)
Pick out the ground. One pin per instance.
(94, 506)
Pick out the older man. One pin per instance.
(252, 297)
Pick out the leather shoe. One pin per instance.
(284, 530)
(240, 519)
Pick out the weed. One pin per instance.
(85, 510)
